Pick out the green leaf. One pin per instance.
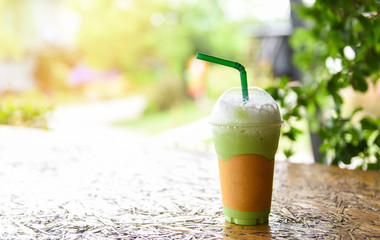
(377, 47)
(293, 133)
(288, 152)
(273, 91)
(356, 135)
(348, 152)
(335, 42)
(356, 111)
(324, 147)
(368, 123)
(286, 116)
(358, 82)
(372, 138)
(332, 84)
(373, 60)
(337, 99)
(283, 82)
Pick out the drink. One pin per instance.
(246, 135)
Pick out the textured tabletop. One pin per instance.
(55, 185)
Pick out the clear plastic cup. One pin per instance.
(246, 135)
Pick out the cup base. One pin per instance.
(247, 222)
(246, 217)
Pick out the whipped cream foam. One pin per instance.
(231, 110)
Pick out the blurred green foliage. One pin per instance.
(27, 111)
(152, 41)
(149, 42)
(339, 50)
(156, 37)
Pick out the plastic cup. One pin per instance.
(246, 136)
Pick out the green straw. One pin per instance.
(228, 63)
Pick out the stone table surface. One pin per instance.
(114, 185)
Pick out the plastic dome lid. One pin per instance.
(260, 109)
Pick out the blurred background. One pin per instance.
(60, 53)
(96, 49)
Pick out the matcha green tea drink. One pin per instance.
(246, 124)
(246, 135)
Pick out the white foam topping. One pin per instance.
(231, 110)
